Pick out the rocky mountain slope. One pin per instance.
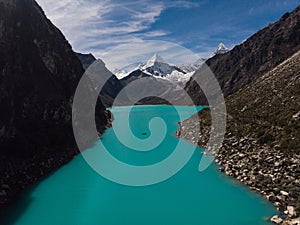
(165, 81)
(257, 55)
(111, 88)
(268, 111)
(39, 74)
(157, 90)
(86, 59)
(261, 147)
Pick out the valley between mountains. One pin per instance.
(260, 80)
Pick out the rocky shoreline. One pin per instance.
(263, 169)
(17, 175)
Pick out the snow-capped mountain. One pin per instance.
(222, 49)
(156, 66)
(192, 67)
(179, 78)
(125, 71)
(121, 73)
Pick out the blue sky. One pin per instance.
(96, 26)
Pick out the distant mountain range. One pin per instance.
(156, 66)
(171, 77)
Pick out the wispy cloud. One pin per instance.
(96, 26)
(93, 25)
(133, 53)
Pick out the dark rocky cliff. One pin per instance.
(39, 73)
(111, 88)
(86, 59)
(257, 55)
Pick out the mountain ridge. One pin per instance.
(111, 87)
(157, 66)
(39, 73)
(257, 55)
(86, 59)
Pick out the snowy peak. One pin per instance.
(222, 49)
(157, 66)
(156, 58)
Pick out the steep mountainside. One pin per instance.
(270, 107)
(261, 147)
(39, 74)
(111, 88)
(86, 59)
(257, 55)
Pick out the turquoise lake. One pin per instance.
(77, 195)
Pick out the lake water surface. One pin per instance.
(77, 195)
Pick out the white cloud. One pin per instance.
(91, 25)
(133, 53)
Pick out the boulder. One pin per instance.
(291, 210)
(284, 193)
(295, 221)
(276, 219)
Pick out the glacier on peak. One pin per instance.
(222, 49)
(157, 67)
